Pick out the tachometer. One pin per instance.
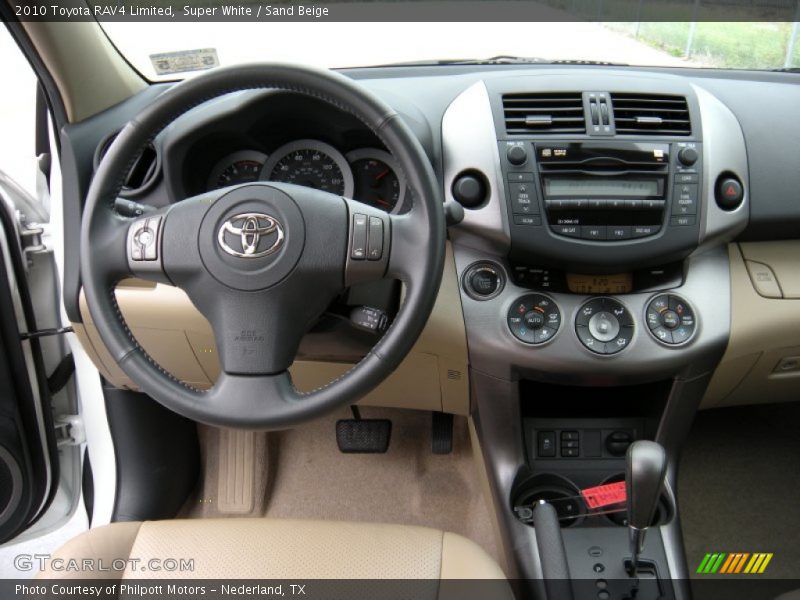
(310, 163)
(240, 167)
(376, 179)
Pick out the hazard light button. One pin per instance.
(729, 193)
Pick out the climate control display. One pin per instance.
(534, 319)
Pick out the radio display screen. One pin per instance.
(600, 284)
(557, 187)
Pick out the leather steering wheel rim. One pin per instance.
(247, 395)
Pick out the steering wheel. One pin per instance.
(262, 261)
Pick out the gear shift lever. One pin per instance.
(646, 465)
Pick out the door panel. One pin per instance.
(28, 452)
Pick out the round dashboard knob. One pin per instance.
(517, 155)
(469, 190)
(688, 156)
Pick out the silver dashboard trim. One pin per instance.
(724, 150)
(469, 141)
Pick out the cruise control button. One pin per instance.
(375, 245)
(358, 251)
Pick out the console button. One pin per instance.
(483, 280)
(523, 198)
(604, 326)
(663, 334)
(520, 177)
(587, 311)
(547, 444)
(588, 340)
(639, 231)
(568, 230)
(621, 232)
(684, 221)
(681, 334)
(517, 155)
(684, 199)
(534, 319)
(621, 341)
(593, 232)
(670, 319)
(686, 178)
(527, 220)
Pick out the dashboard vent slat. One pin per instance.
(646, 114)
(548, 113)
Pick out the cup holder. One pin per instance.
(556, 490)
(663, 512)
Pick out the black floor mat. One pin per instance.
(739, 485)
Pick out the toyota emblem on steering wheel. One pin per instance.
(251, 235)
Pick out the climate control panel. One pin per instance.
(671, 320)
(604, 326)
(534, 319)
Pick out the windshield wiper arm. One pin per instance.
(505, 60)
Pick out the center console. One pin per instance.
(595, 288)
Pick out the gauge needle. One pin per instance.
(380, 200)
(382, 175)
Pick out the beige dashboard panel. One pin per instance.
(762, 361)
(165, 322)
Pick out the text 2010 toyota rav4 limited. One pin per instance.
(417, 327)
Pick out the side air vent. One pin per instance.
(549, 113)
(144, 170)
(645, 114)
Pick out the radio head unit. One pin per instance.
(588, 202)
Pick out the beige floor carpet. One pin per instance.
(303, 475)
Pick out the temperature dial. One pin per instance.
(534, 319)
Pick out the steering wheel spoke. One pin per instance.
(143, 247)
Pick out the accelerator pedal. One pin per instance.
(363, 436)
(441, 433)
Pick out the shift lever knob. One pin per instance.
(646, 465)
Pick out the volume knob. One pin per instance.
(688, 156)
(517, 155)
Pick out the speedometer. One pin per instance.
(310, 163)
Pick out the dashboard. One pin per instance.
(603, 205)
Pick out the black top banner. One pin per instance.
(406, 10)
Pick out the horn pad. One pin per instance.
(252, 237)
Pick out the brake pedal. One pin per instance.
(363, 436)
(441, 433)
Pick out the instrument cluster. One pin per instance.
(368, 175)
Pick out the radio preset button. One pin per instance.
(622, 232)
(593, 232)
(534, 319)
(568, 230)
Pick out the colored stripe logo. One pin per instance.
(733, 563)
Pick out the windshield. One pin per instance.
(174, 50)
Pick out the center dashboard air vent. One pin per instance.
(647, 114)
(548, 113)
